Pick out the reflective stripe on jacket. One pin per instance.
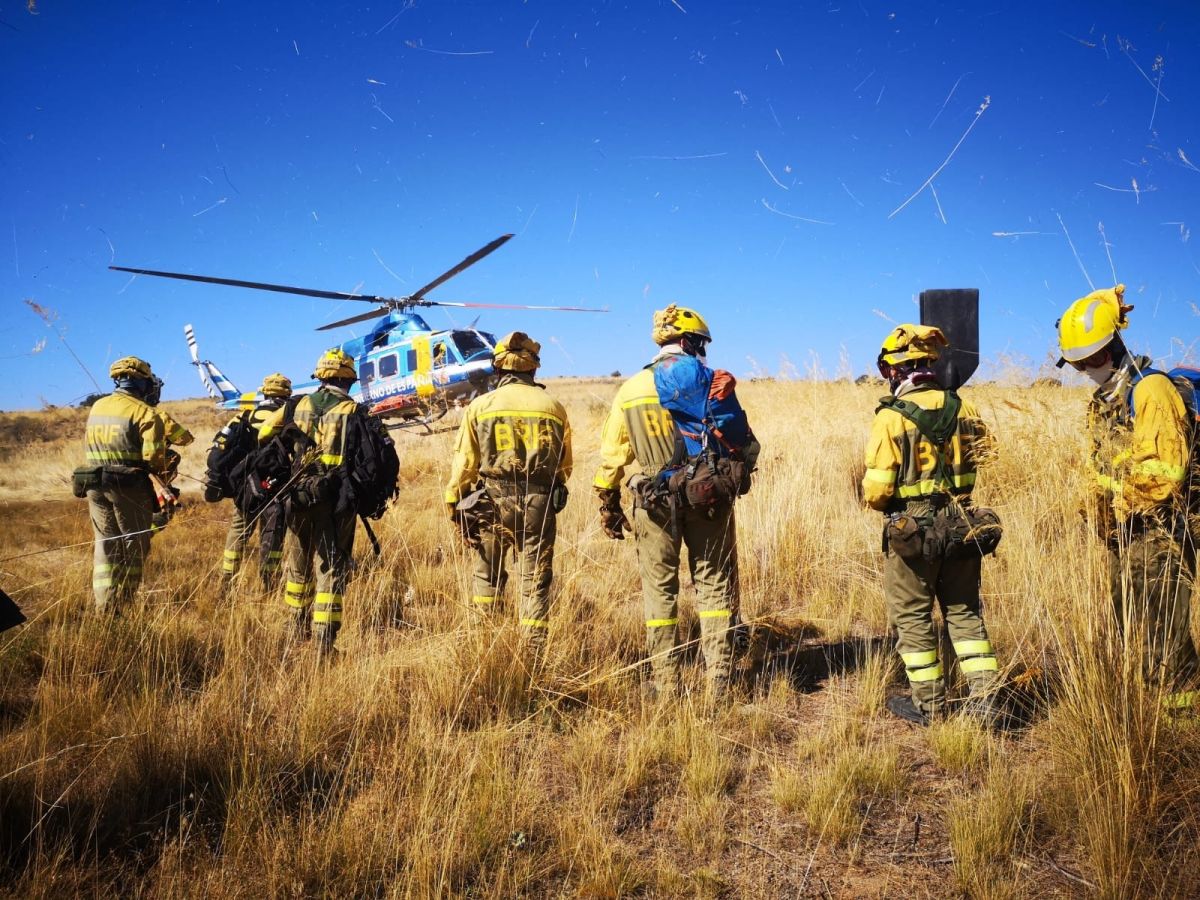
(1145, 463)
(322, 416)
(123, 430)
(902, 464)
(638, 429)
(517, 434)
(174, 432)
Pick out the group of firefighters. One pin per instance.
(513, 457)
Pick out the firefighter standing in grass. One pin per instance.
(125, 444)
(1139, 425)
(314, 520)
(640, 430)
(921, 473)
(245, 427)
(166, 494)
(517, 440)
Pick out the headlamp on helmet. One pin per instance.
(277, 385)
(910, 344)
(129, 367)
(674, 322)
(335, 365)
(517, 352)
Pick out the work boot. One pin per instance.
(324, 634)
(907, 710)
(718, 691)
(299, 627)
(226, 587)
(986, 710)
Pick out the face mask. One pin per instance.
(1100, 374)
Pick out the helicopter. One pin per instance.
(407, 371)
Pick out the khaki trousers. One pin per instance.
(1151, 575)
(911, 587)
(527, 524)
(272, 529)
(316, 531)
(121, 526)
(712, 561)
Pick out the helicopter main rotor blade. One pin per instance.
(466, 263)
(361, 317)
(511, 306)
(256, 285)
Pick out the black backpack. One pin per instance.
(268, 468)
(231, 445)
(372, 467)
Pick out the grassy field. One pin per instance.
(188, 750)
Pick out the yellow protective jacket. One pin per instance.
(322, 415)
(638, 429)
(902, 464)
(123, 430)
(1143, 463)
(517, 434)
(175, 433)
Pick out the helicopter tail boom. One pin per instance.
(218, 386)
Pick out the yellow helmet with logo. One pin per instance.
(674, 322)
(129, 367)
(277, 385)
(335, 363)
(1091, 322)
(517, 352)
(908, 343)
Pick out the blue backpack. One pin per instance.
(1187, 382)
(703, 404)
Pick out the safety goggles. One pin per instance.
(1094, 361)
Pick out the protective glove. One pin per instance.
(212, 493)
(612, 518)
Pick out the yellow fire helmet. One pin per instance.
(277, 385)
(517, 352)
(674, 322)
(335, 363)
(129, 367)
(1091, 322)
(909, 342)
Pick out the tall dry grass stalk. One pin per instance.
(189, 749)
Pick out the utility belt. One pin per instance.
(316, 489)
(495, 488)
(107, 477)
(936, 528)
(507, 488)
(1172, 521)
(704, 482)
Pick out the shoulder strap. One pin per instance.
(1136, 377)
(937, 425)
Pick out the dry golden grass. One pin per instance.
(188, 750)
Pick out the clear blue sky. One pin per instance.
(642, 152)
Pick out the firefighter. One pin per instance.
(921, 466)
(1138, 423)
(315, 521)
(245, 427)
(125, 444)
(640, 430)
(517, 441)
(166, 494)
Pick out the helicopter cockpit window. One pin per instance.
(441, 354)
(366, 372)
(469, 343)
(387, 366)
